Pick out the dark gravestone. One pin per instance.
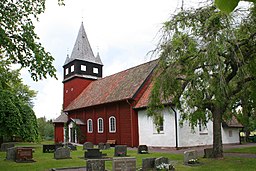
(190, 157)
(142, 149)
(208, 153)
(120, 150)
(71, 147)
(58, 145)
(47, 148)
(124, 164)
(24, 154)
(93, 153)
(5, 146)
(11, 153)
(101, 146)
(62, 153)
(95, 165)
(87, 145)
(148, 164)
(107, 146)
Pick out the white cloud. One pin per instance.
(122, 31)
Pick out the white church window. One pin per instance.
(66, 72)
(72, 68)
(100, 125)
(95, 70)
(89, 126)
(230, 133)
(112, 124)
(159, 129)
(202, 128)
(83, 67)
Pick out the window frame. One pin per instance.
(72, 68)
(95, 70)
(112, 125)
(89, 126)
(83, 67)
(100, 125)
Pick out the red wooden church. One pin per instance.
(102, 108)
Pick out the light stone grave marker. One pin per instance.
(95, 165)
(189, 156)
(124, 164)
(62, 153)
(87, 145)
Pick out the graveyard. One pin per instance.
(116, 157)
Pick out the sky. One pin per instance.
(122, 31)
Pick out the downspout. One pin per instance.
(176, 128)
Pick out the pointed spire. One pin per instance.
(67, 59)
(82, 49)
(98, 60)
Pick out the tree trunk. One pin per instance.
(217, 135)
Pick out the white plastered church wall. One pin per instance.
(186, 136)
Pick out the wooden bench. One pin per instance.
(111, 142)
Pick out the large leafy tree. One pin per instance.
(18, 41)
(207, 61)
(16, 115)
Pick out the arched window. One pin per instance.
(112, 124)
(89, 126)
(100, 125)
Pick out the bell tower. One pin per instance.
(80, 69)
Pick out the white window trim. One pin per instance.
(98, 121)
(202, 129)
(110, 130)
(66, 71)
(83, 68)
(72, 68)
(95, 70)
(88, 126)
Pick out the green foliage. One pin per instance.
(207, 62)
(45, 129)
(16, 114)
(228, 6)
(19, 44)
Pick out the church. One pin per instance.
(97, 109)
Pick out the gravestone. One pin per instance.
(101, 146)
(71, 147)
(124, 164)
(142, 149)
(62, 153)
(87, 145)
(93, 153)
(11, 153)
(148, 164)
(162, 163)
(208, 153)
(5, 146)
(120, 150)
(24, 154)
(47, 148)
(95, 165)
(190, 156)
(107, 146)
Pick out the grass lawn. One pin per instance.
(45, 161)
(250, 150)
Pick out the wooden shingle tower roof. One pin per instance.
(82, 49)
